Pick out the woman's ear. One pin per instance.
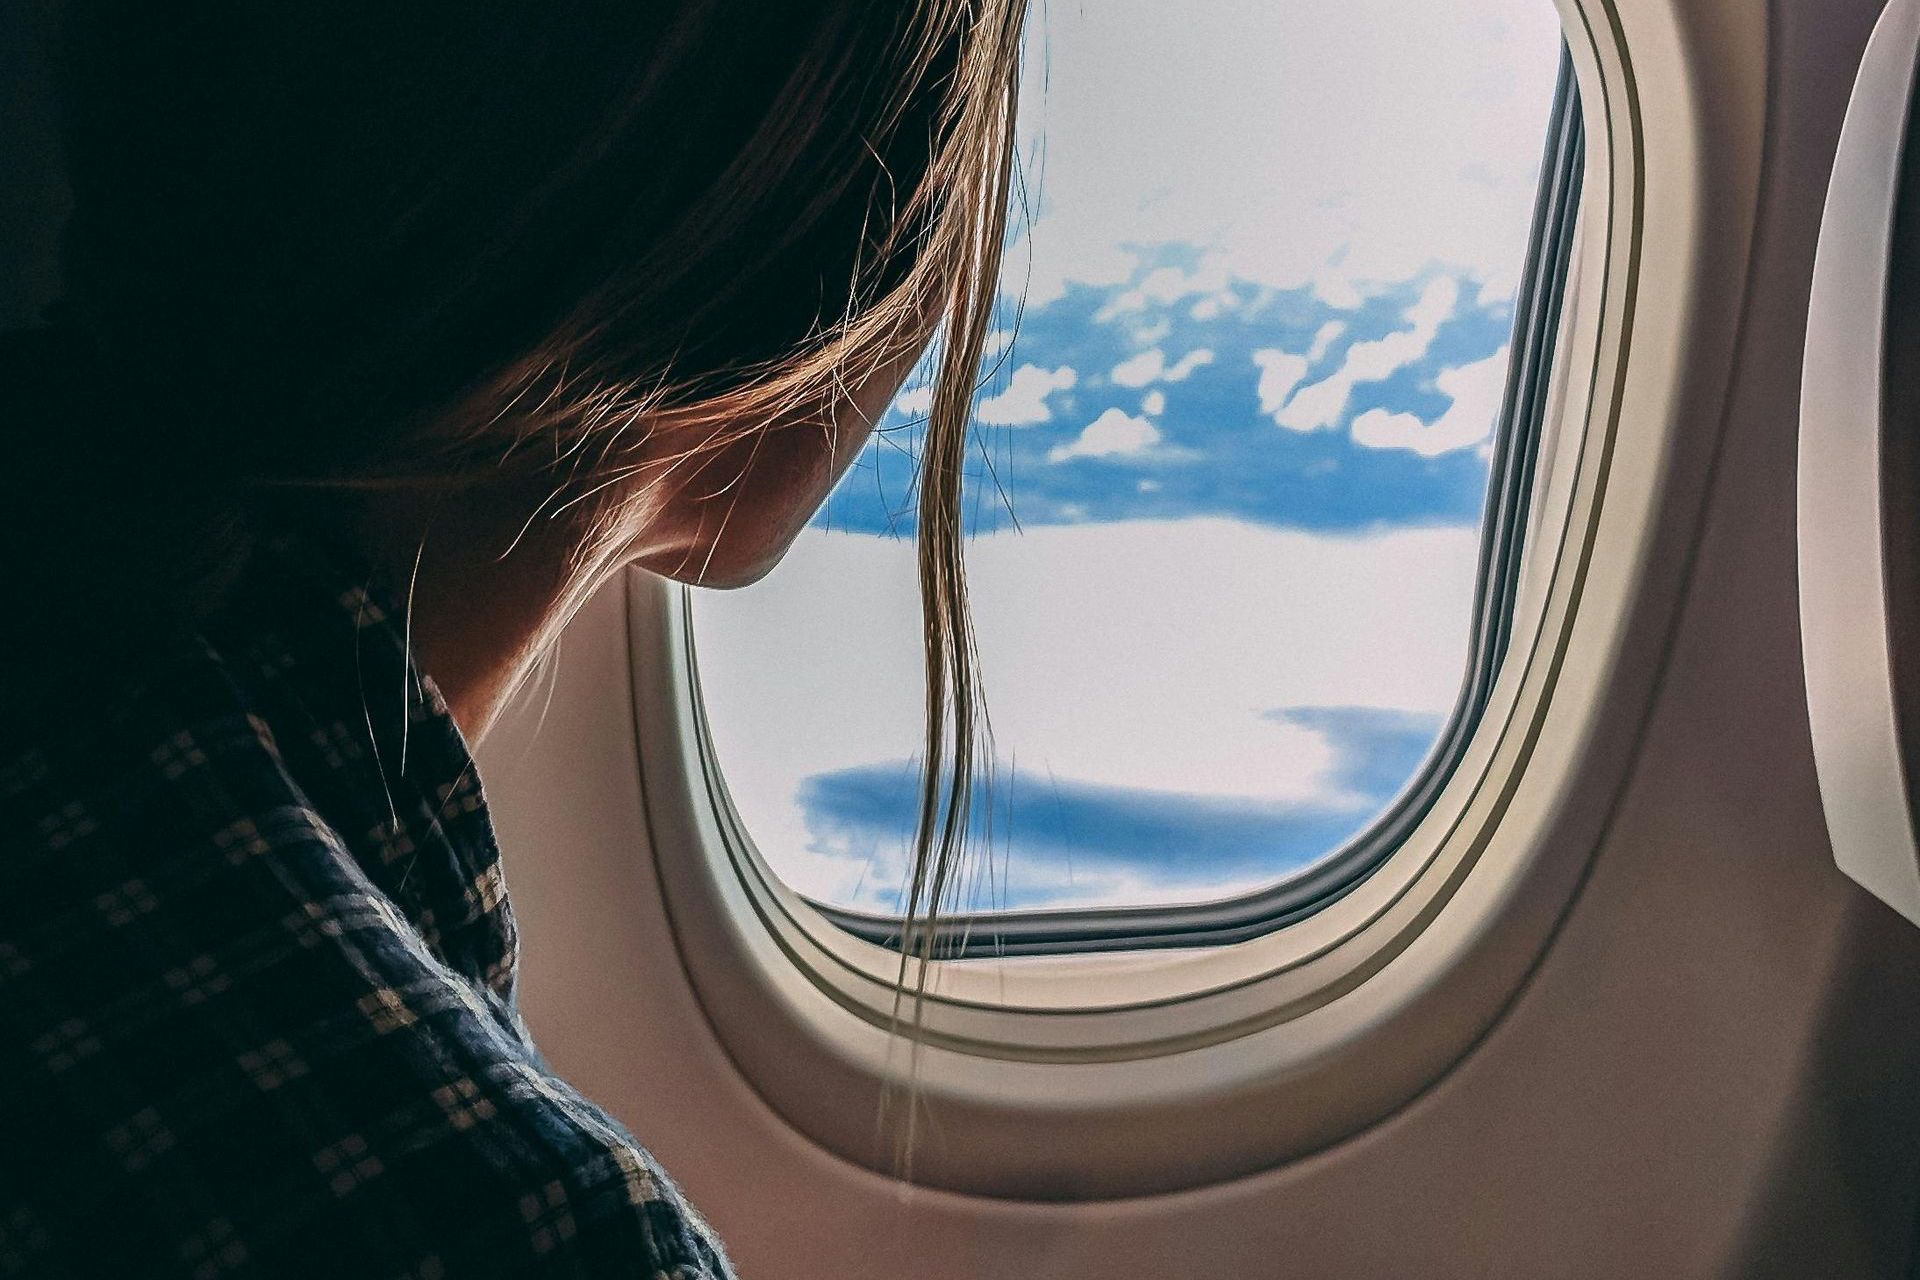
(725, 519)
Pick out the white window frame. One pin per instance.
(1131, 1072)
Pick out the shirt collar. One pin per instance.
(371, 741)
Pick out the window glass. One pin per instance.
(1235, 436)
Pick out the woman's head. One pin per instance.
(651, 270)
(369, 243)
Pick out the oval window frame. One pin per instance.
(1095, 1075)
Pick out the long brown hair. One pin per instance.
(356, 243)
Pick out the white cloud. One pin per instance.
(1476, 390)
(1154, 402)
(1140, 654)
(1138, 371)
(1120, 305)
(1168, 285)
(1163, 284)
(1317, 406)
(1024, 402)
(1322, 403)
(915, 401)
(1324, 338)
(1338, 289)
(1280, 373)
(1114, 434)
(1151, 366)
(1497, 291)
(1431, 309)
(1183, 368)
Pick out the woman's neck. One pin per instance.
(481, 588)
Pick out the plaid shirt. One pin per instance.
(256, 982)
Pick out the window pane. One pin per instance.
(1231, 474)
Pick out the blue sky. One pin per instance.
(1263, 286)
(1211, 455)
(1044, 838)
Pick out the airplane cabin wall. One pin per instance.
(1711, 1072)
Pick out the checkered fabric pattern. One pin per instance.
(256, 981)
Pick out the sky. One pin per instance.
(1234, 438)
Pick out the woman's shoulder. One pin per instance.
(243, 1035)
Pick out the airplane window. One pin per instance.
(1246, 439)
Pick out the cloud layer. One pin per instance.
(1252, 413)
(1040, 840)
(1144, 656)
(1332, 145)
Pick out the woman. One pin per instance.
(388, 333)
